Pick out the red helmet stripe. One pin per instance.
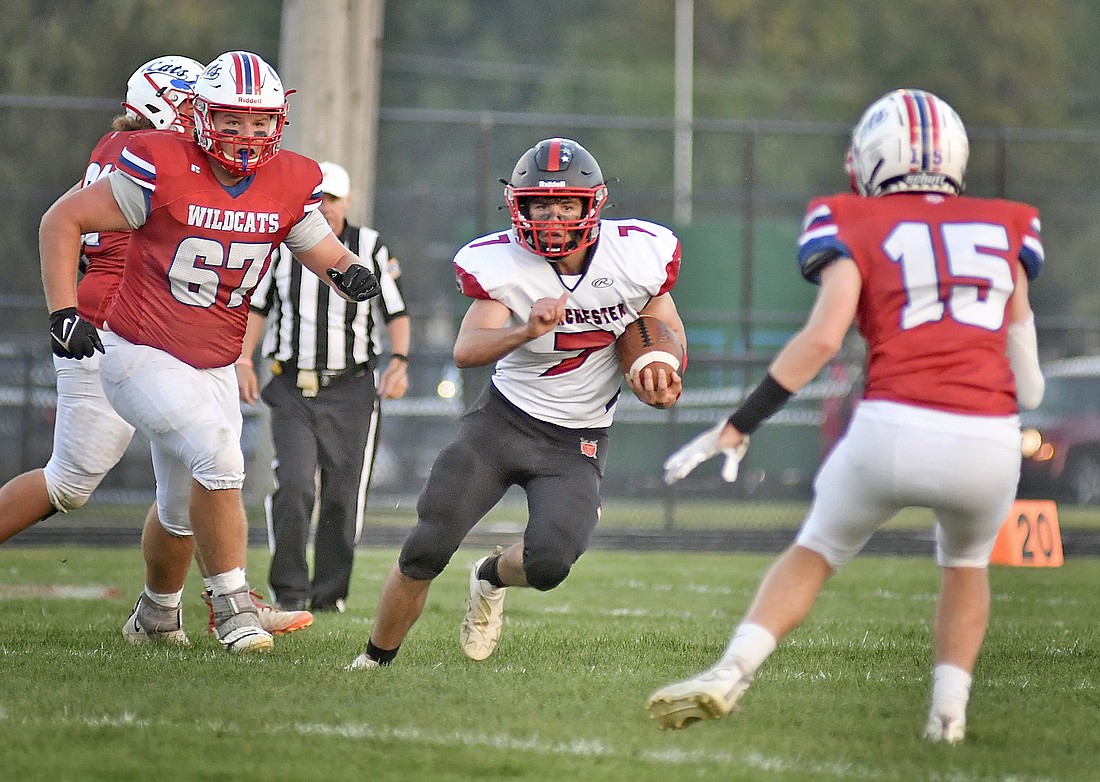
(554, 161)
(238, 72)
(934, 124)
(246, 73)
(914, 120)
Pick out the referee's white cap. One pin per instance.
(335, 180)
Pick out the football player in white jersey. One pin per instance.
(550, 296)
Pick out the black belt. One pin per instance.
(325, 377)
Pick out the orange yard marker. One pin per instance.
(1030, 536)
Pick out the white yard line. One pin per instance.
(581, 748)
(60, 591)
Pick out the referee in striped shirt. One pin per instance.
(324, 399)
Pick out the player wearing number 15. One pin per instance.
(937, 284)
(204, 213)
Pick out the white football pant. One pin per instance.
(964, 467)
(192, 418)
(89, 437)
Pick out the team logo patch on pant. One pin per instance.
(588, 448)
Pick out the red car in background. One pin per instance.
(1061, 438)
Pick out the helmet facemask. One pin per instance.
(240, 155)
(579, 233)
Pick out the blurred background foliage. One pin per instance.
(1002, 65)
(1024, 64)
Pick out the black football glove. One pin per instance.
(357, 283)
(71, 336)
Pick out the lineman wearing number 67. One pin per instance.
(205, 211)
(937, 284)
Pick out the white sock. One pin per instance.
(224, 583)
(950, 691)
(749, 648)
(165, 600)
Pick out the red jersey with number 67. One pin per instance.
(192, 266)
(937, 272)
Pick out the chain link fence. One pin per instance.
(438, 186)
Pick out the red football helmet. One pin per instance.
(556, 168)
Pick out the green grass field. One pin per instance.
(617, 513)
(563, 697)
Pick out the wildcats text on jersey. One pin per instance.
(232, 220)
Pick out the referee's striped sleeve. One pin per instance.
(391, 301)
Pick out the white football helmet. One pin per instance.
(909, 140)
(160, 91)
(240, 83)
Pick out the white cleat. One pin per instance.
(948, 730)
(480, 631)
(274, 620)
(709, 696)
(243, 634)
(153, 624)
(361, 663)
(237, 623)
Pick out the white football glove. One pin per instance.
(680, 464)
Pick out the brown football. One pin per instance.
(649, 341)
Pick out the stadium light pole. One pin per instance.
(684, 111)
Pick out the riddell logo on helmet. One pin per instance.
(551, 183)
(247, 99)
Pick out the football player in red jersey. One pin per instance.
(549, 297)
(204, 213)
(158, 97)
(937, 283)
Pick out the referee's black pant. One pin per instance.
(333, 435)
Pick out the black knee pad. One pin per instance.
(545, 574)
(421, 557)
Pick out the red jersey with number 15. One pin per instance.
(191, 268)
(937, 272)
